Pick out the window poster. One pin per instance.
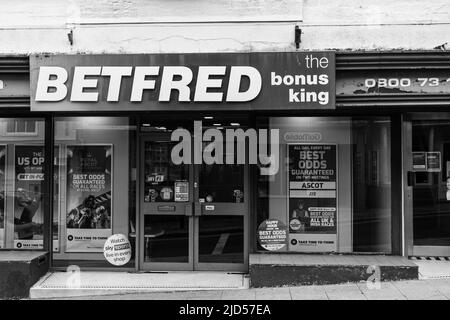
(56, 199)
(312, 201)
(434, 161)
(181, 191)
(28, 196)
(2, 194)
(88, 197)
(419, 161)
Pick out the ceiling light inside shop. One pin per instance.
(234, 124)
(217, 124)
(208, 117)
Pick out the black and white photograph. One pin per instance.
(257, 156)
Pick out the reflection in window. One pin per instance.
(161, 175)
(22, 164)
(363, 189)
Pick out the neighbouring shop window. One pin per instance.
(332, 189)
(95, 165)
(22, 182)
(431, 185)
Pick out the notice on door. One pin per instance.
(427, 161)
(89, 194)
(312, 201)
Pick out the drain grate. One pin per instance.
(142, 281)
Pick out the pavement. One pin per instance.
(426, 289)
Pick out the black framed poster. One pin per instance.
(312, 200)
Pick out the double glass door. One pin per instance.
(193, 216)
(427, 192)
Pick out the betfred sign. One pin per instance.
(249, 81)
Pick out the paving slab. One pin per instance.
(418, 290)
(238, 295)
(272, 293)
(308, 293)
(386, 291)
(344, 292)
(202, 295)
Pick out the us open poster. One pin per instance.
(28, 196)
(89, 192)
(2, 194)
(312, 202)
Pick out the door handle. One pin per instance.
(410, 178)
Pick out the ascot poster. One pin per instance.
(2, 194)
(312, 202)
(89, 192)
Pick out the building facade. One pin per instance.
(345, 107)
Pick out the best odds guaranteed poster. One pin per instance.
(89, 192)
(2, 194)
(312, 181)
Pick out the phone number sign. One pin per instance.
(393, 82)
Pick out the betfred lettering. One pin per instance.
(172, 78)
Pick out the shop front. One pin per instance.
(414, 87)
(204, 160)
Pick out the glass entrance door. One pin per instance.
(193, 216)
(221, 208)
(428, 186)
(166, 233)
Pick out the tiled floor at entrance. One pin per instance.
(65, 284)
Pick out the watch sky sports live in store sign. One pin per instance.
(231, 81)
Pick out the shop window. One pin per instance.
(95, 164)
(22, 182)
(21, 127)
(332, 191)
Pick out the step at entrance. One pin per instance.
(433, 267)
(66, 284)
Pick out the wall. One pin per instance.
(139, 26)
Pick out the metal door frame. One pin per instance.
(243, 209)
(410, 248)
(221, 208)
(187, 206)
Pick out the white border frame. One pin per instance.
(67, 146)
(337, 193)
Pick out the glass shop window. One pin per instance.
(96, 182)
(22, 182)
(332, 191)
(21, 127)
